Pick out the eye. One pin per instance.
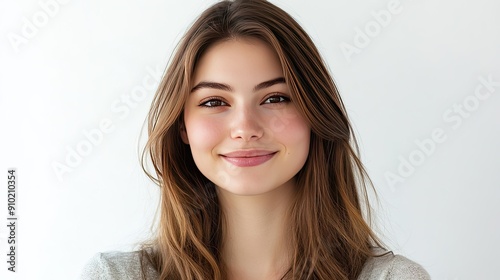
(213, 102)
(276, 98)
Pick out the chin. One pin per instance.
(243, 190)
(252, 189)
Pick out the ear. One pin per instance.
(184, 136)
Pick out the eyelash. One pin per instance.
(283, 99)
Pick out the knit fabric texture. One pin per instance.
(126, 266)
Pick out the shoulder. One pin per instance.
(390, 266)
(115, 265)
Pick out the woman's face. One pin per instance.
(245, 134)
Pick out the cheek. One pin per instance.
(203, 133)
(289, 126)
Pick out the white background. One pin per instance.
(78, 65)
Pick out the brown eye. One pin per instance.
(276, 99)
(213, 103)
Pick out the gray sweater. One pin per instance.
(126, 265)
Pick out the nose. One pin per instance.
(246, 126)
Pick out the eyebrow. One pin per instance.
(226, 87)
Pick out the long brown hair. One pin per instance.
(330, 236)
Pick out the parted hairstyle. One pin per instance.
(330, 234)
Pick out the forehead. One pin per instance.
(238, 60)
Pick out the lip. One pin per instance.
(248, 158)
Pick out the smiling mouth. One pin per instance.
(248, 158)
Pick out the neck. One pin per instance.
(256, 237)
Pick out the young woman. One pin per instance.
(256, 160)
